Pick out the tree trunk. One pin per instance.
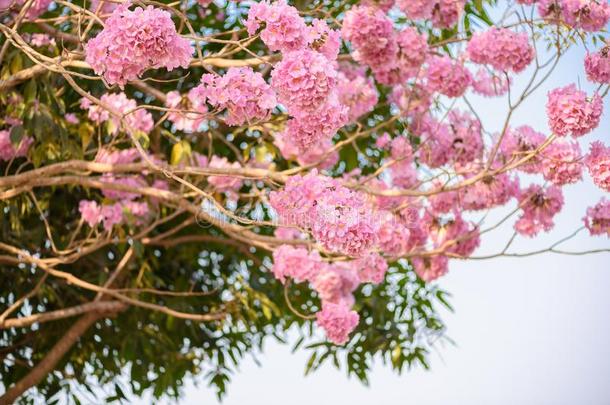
(48, 363)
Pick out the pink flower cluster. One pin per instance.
(112, 214)
(447, 76)
(597, 66)
(241, 91)
(334, 283)
(393, 57)
(133, 41)
(443, 13)
(518, 143)
(502, 49)
(570, 111)
(357, 92)
(487, 84)
(194, 106)
(598, 163)
(539, 206)
(224, 183)
(597, 219)
(338, 218)
(8, 151)
(138, 120)
(561, 162)
(589, 15)
(284, 30)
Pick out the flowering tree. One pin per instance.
(180, 180)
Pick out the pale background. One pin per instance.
(528, 331)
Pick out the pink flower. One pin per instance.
(443, 201)
(357, 93)
(224, 183)
(417, 9)
(436, 141)
(107, 7)
(490, 85)
(284, 30)
(287, 233)
(133, 41)
(589, 15)
(241, 91)
(393, 237)
(597, 66)
(429, 268)
(597, 220)
(186, 121)
(501, 48)
(372, 35)
(489, 192)
(91, 212)
(446, 13)
(117, 157)
(570, 111)
(112, 215)
(324, 40)
(518, 143)
(139, 120)
(371, 268)
(455, 236)
(303, 80)
(335, 283)
(296, 263)
(71, 118)
(561, 162)
(539, 206)
(598, 163)
(309, 129)
(467, 142)
(8, 151)
(413, 99)
(338, 321)
(447, 76)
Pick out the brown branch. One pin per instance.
(103, 306)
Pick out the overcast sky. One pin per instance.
(528, 331)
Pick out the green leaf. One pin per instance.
(17, 133)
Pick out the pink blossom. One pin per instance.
(429, 268)
(335, 283)
(598, 163)
(107, 7)
(467, 142)
(561, 163)
(446, 13)
(133, 41)
(91, 212)
(287, 233)
(112, 214)
(518, 143)
(455, 236)
(413, 100)
(139, 120)
(539, 206)
(501, 48)
(383, 141)
(311, 128)
(338, 321)
(489, 192)
(71, 118)
(384, 5)
(224, 183)
(447, 76)
(186, 121)
(597, 220)
(436, 143)
(550, 10)
(241, 91)
(393, 237)
(297, 263)
(324, 40)
(371, 268)
(490, 85)
(570, 111)
(284, 30)
(8, 151)
(134, 182)
(417, 9)
(303, 80)
(597, 66)
(443, 201)
(117, 157)
(372, 35)
(42, 40)
(589, 15)
(357, 93)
